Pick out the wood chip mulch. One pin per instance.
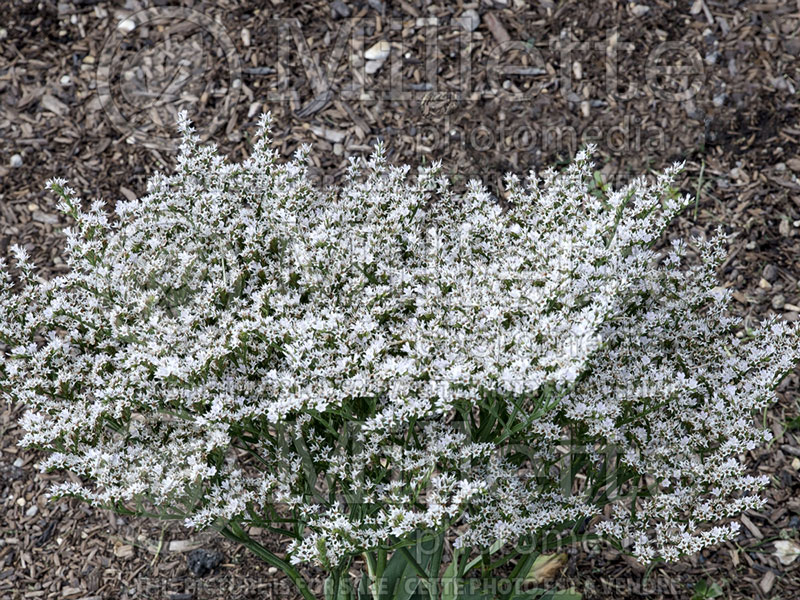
(89, 90)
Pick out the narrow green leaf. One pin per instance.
(363, 588)
(404, 571)
(449, 580)
(477, 560)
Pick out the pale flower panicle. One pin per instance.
(239, 345)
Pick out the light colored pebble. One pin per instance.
(373, 66)
(469, 20)
(378, 52)
(126, 25)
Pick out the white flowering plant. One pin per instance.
(425, 384)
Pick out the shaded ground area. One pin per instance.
(89, 89)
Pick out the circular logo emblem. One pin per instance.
(162, 60)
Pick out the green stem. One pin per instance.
(380, 567)
(369, 559)
(372, 568)
(269, 558)
(485, 561)
(520, 572)
(462, 567)
(436, 563)
(335, 579)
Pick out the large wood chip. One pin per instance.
(496, 27)
(752, 528)
(319, 102)
(54, 105)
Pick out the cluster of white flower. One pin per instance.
(391, 356)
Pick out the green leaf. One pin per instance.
(345, 591)
(704, 590)
(327, 589)
(363, 588)
(563, 595)
(520, 570)
(542, 594)
(400, 579)
(448, 581)
(535, 594)
(477, 560)
(394, 570)
(471, 591)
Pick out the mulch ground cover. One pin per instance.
(89, 91)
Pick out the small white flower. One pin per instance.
(237, 339)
